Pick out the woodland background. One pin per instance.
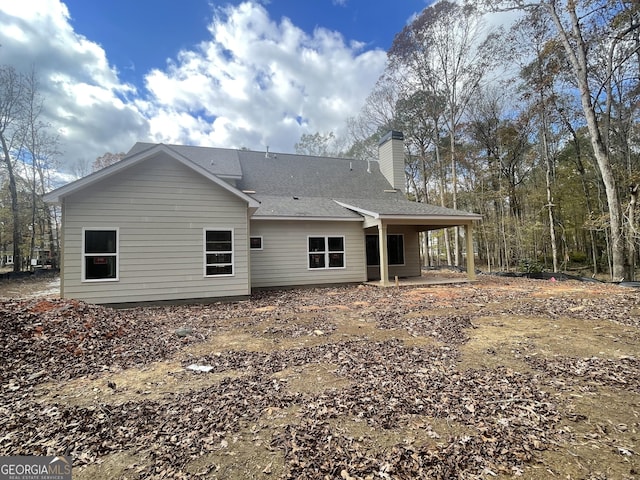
(534, 127)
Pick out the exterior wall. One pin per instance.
(412, 266)
(283, 259)
(161, 209)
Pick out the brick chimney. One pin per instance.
(391, 159)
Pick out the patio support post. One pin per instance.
(471, 269)
(384, 261)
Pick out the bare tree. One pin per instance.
(27, 155)
(376, 118)
(106, 160)
(11, 111)
(538, 78)
(37, 154)
(447, 51)
(317, 144)
(80, 167)
(579, 25)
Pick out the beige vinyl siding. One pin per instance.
(161, 209)
(391, 161)
(283, 260)
(412, 265)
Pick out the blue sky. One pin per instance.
(142, 34)
(228, 74)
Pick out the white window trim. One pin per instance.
(404, 250)
(204, 250)
(261, 243)
(83, 255)
(326, 252)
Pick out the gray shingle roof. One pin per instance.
(301, 186)
(222, 162)
(400, 207)
(301, 207)
(299, 175)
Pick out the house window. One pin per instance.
(255, 243)
(326, 252)
(218, 252)
(395, 249)
(100, 254)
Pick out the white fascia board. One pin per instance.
(452, 218)
(312, 219)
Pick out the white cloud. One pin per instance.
(84, 99)
(254, 82)
(260, 82)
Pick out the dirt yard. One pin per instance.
(501, 378)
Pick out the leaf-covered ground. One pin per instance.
(496, 379)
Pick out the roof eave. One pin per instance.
(308, 218)
(470, 217)
(447, 219)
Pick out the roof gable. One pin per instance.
(222, 162)
(139, 155)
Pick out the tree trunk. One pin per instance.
(633, 201)
(454, 192)
(49, 219)
(442, 202)
(606, 170)
(578, 59)
(32, 245)
(425, 199)
(548, 175)
(552, 228)
(585, 189)
(505, 242)
(13, 192)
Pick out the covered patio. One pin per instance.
(392, 230)
(392, 236)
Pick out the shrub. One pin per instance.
(530, 266)
(577, 257)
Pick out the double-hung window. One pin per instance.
(326, 252)
(395, 249)
(218, 252)
(99, 254)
